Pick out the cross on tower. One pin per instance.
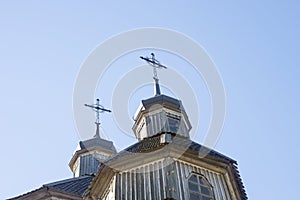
(97, 108)
(156, 65)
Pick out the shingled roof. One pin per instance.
(154, 143)
(97, 142)
(163, 100)
(74, 187)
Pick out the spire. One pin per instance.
(97, 108)
(155, 64)
(92, 152)
(156, 88)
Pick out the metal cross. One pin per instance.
(154, 63)
(98, 109)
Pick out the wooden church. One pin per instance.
(164, 163)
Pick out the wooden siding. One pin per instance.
(88, 165)
(165, 178)
(158, 122)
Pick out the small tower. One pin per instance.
(161, 113)
(92, 152)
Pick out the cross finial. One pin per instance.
(155, 64)
(97, 108)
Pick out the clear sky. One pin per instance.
(254, 44)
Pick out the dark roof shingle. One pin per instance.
(163, 100)
(94, 142)
(74, 186)
(153, 143)
(77, 185)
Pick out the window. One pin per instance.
(173, 124)
(199, 188)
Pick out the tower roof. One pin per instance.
(163, 100)
(97, 142)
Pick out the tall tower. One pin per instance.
(92, 152)
(161, 113)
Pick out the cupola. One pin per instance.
(161, 113)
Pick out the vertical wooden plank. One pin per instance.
(133, 184)
(163, 181)
(117, 187)
(158, 180)
(184, 177)
(179, 180)
(152, 182)
(206, 175)
(167, 182)
(123, 185)
(128, 186)
(221, 189)
(225, 186)
(215, 186)
(144, 186)
(157, 123)
(219, 181)
(147, 186)
(152, 127)
(139, 184)
(201, 171)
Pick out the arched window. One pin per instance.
(199, 188)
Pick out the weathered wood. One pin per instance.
(166, 179)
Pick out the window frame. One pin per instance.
(200, 184)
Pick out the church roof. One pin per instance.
(74, 187)
(77, 185)
(154, 143)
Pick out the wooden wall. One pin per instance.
(164, 178)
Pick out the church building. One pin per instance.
(164, 163)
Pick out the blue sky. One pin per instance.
(254, 44)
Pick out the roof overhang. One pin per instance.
(47, 192)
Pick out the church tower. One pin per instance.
(92, 152)
(161, 114)
(165, 163)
